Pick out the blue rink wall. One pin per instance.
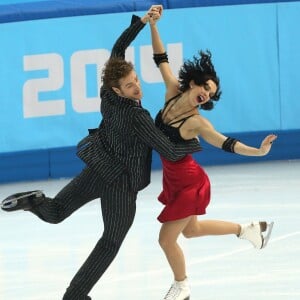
(52, 53)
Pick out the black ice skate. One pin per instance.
(25, 201)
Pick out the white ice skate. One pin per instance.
(253, 232)
(179, 290)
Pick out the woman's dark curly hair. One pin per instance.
(115, 69)
(200, 70)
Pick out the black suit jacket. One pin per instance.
(124, 140)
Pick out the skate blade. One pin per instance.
(7, 204)
(266, 238)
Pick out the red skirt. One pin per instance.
(186, 189)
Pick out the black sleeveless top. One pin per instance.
(173, 133)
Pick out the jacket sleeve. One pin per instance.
(148, 133)
(127, 37)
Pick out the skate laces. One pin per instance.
(173, 292)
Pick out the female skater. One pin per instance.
(186, 186)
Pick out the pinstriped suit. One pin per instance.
(118, 164)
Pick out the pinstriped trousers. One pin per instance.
(118, 205)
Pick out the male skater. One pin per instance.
(118, 164)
